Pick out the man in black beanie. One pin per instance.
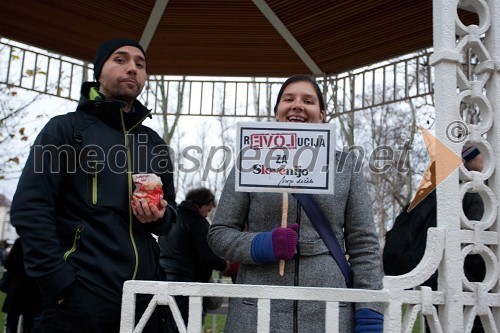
(114, 83)
(83, 231)
(107, 48)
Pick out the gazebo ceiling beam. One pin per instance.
(287, 36)
(153, 21)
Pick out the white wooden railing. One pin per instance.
(393, 296)
(422, 300)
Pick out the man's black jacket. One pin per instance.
(72, 205)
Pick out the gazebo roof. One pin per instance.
(275, 38)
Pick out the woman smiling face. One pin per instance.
(299, 103)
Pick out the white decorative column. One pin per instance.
(455, 44)
(492, 43)
(445, 60)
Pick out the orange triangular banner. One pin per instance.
(447, 162)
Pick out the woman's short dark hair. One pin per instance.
(201, 196)
(301, 78)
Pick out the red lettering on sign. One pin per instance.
(273, 141)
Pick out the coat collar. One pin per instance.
(109, 110)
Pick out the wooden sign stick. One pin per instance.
(284, 216)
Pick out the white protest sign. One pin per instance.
(285, 157)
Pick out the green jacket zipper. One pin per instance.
(76, 241)
(130, 189)
(94, 185)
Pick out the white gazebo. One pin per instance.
(273, 38)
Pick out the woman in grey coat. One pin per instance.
(259, 248)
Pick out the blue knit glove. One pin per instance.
(368, 321)
(280, 243)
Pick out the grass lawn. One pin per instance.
(2, 315)
(220, 323)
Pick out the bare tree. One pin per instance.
(345, 120)
(386, 137)
(13, 131)
(159, 91)
(398, 154)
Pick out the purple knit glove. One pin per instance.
(285, 241)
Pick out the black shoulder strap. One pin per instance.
(324, 229)
(80, 121)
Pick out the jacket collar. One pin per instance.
(109, 110)
(189, 206)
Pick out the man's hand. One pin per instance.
(145, 212)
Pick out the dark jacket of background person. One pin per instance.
(474, 266)
(23, 296)
(185, 254)
(79, 225)
(472, 205)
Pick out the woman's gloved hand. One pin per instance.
(368, 321)
(280, 243)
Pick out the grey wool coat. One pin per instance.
(350, 214)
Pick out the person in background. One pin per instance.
(23, 296)
(472, 204)
(83, 232)
(308, 260)
(185, 255)
(6, 246)
(473, 159)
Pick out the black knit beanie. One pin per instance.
(107, 48)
